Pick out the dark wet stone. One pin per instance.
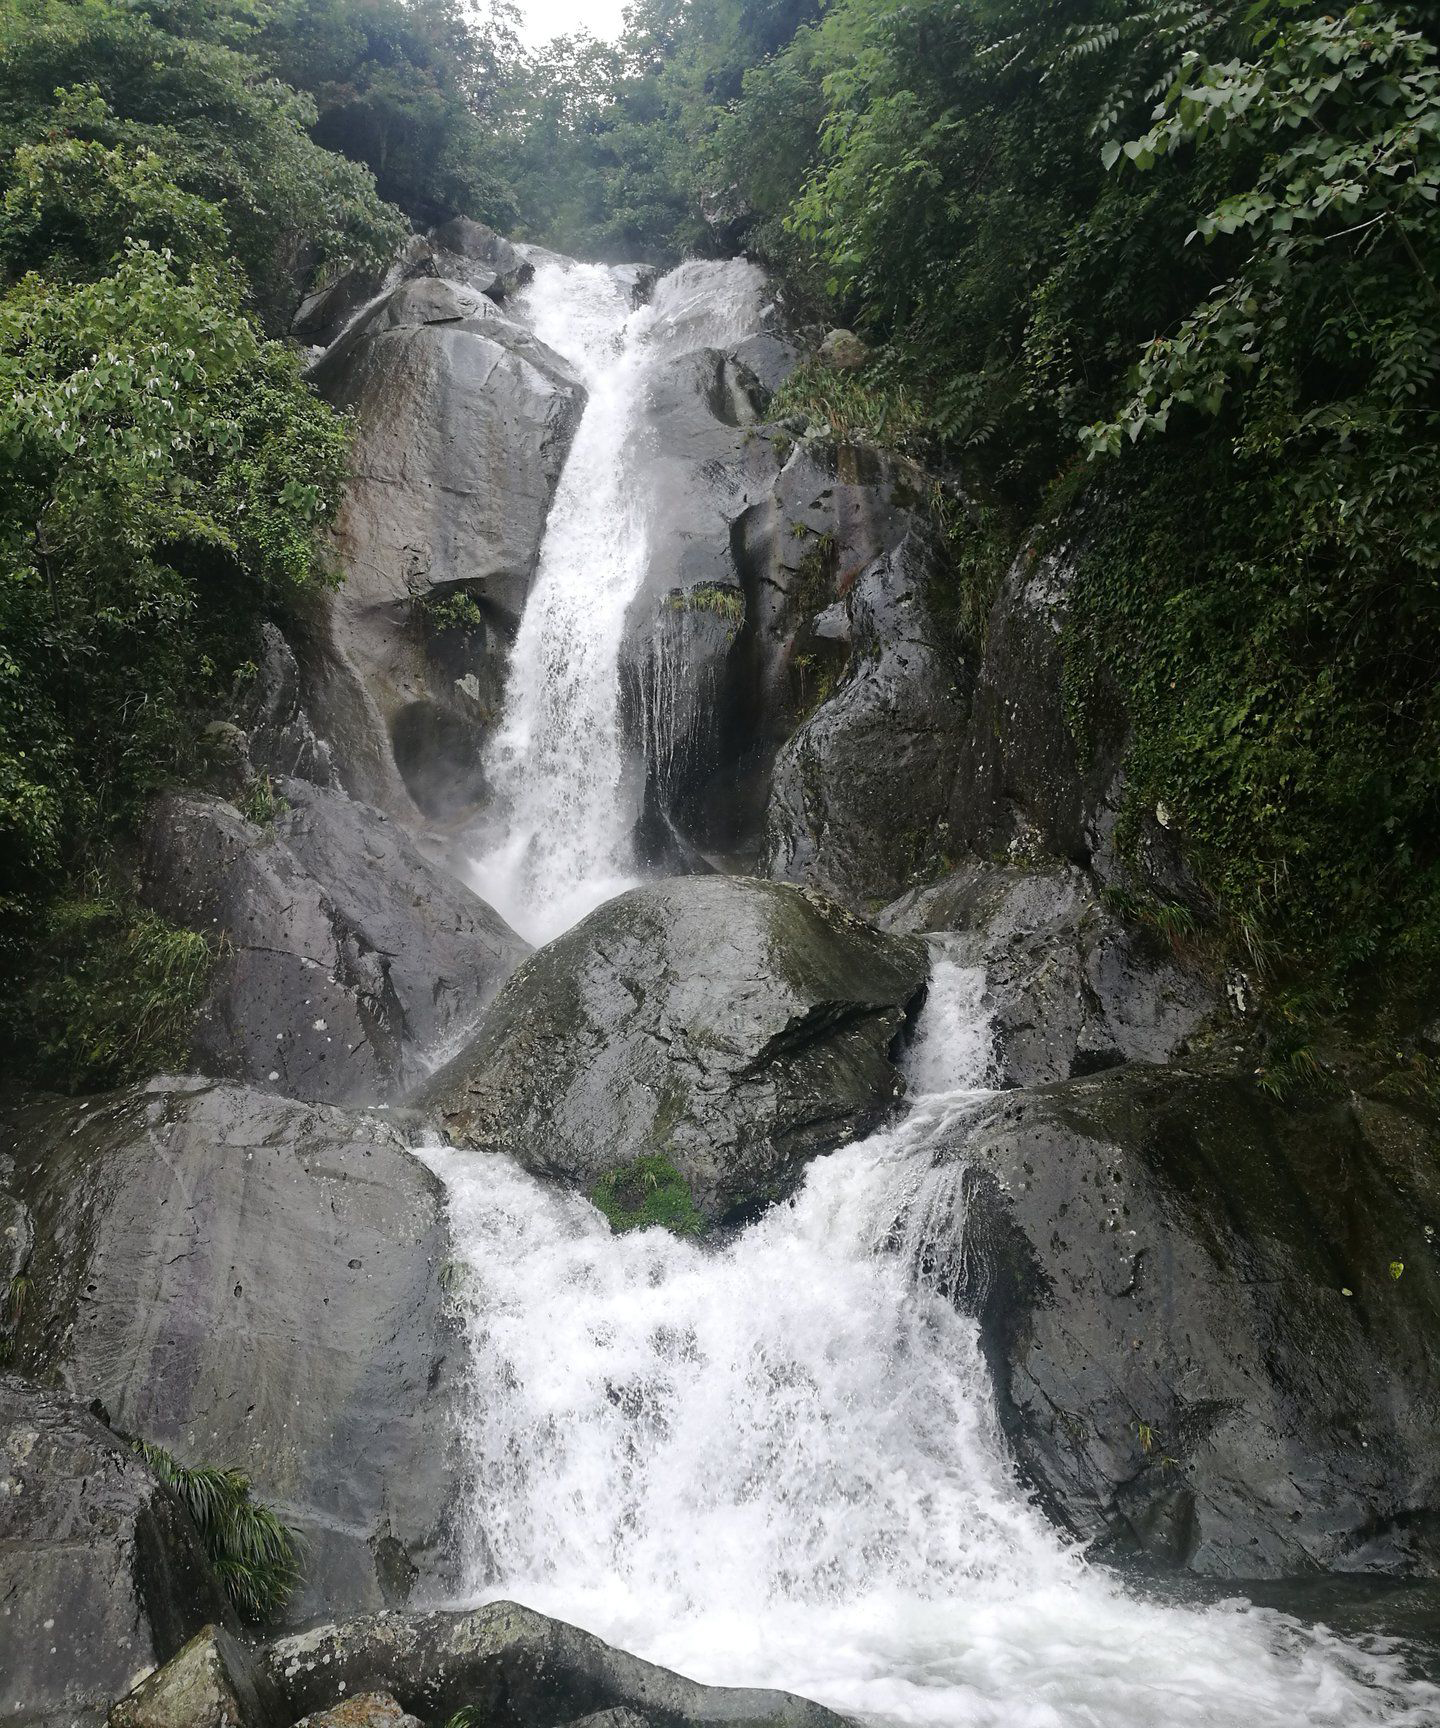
(252, 1283)
(736, 1027)
(101, 1570)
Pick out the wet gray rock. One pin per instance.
(463, 421)
(365, 1710)
(517, 1668)
(253, 1283)
(101, 1570)
(470, 253)
(1214, 1321)
(280, 740)
(350, 962)
(214, 1682)
(1069, 989)
(843, 350)
(738, 1028)
(860, 792)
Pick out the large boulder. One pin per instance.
(253, 1283)
(463, 422)
(349, 963)
(214, 1682)
(736, 1028)
(516, 1669)
(1068, 989)
(101, 1570)
(467, 251)
(860, 792)
(1214, 1321)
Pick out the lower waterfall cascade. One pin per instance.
(773, 1458)
(775, 1461)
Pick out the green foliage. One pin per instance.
(647, 1192)
(454, 609)
(255, 1556)
(110, 995)
(159, 105)
(417, 90)
(727, 604)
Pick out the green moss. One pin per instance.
(647, 1192)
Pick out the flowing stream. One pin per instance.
(565, 798)
(773, 1459)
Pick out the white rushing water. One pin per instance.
(565, 798)
(775, 1461)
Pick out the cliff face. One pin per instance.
(1203, 1351)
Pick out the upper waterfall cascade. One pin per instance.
(564, 800)
(776, 1461)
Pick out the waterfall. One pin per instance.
(774, 1459)
(565, 799)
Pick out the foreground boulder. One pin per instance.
(1068, 989)
(736, 1028)
(252, 1283)
(214, 1682)
(349, 961)
(1214, 1321)
(101, 1570)
(515, 1668)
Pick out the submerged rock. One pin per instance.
(252, 1283)
(101, 1570)
(1214, 1321)
(516, 1669)
(349, 960)
(736, 1028)
(1068, 989)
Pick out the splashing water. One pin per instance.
(775, 1461)
(563, 807)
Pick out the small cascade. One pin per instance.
(565, 797)
(774, 1459)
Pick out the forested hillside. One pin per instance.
(1162, 280)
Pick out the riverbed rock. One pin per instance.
(349, 962)
(1068, 988)
(516, 1668)
(463, 422)
(735, 1027)
(469, 252)
(860, 792)
(101, 1570)
(214, 1682)
(253, 1283)
(1214, 1320)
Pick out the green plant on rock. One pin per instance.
(646, 1192)
(112, 992)
(252, 1552)
(724, 603)
(261, 803)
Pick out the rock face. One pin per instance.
(1068, 988)
(517, 1668)
(464, 419)
(860, 791)
(251, 1282)
(470, 253)
(737, 1028)
(350, 961)
(101, 1570)
(1214, 1322)
(214, 1682)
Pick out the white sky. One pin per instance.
(546, 18)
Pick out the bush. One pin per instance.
(645, 1193)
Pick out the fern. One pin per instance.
(253, 1554)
